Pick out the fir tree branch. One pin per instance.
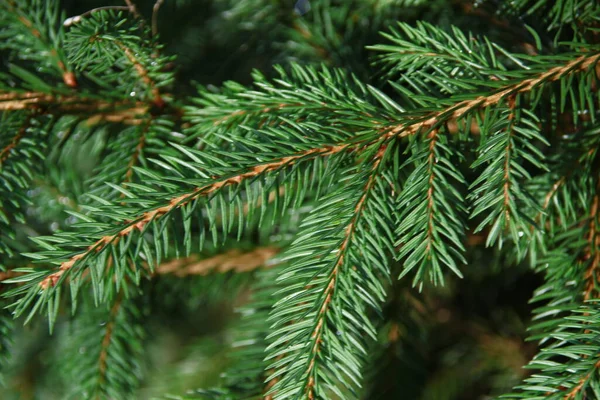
(73, 20)
(592, 251)
(157, 99)
(106, 339)
(327, 295)
(67, 75)
(569, 364)
(181, 200)
(135, 67)
(233, 260)
(317, 318)
(6, 151)
(460, 109)
(127, 112)
(507, 159)
(136, 154)
(580, 387)
(22, 140)
(109, 344)
(429, 229)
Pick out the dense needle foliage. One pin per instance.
(319, 199)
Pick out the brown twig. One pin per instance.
(507, 158)
(133, 9)
(155, 9)
(430, 202)
(127, 112)
(592, 252)
(137, 153)
(231, 261)
(106, 339)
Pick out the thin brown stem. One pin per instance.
(155, 9)
(133, 9)
(591, 253)
(430, 200)
(99, 110)
(137, 153)
(106, 339)
(507, 158)
(235, 260)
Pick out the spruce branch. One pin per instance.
(430, 120)
(230, 261)
(325, 179)
(14, 142)
(557, 14)
(109, 342)
(502, 197)
(143, 75)
(592, 251)
(327, 296)
(570, 289)
(17, 18)
(533, 80)
(429, 228)
(569, 364)
(103, 238)
(91, 42)
(96, 109)
(559, 209)
(141, 222)
(426, 51)
(324, 96)
(21, 141)
(317, 308)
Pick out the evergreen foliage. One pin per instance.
(338, 200)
